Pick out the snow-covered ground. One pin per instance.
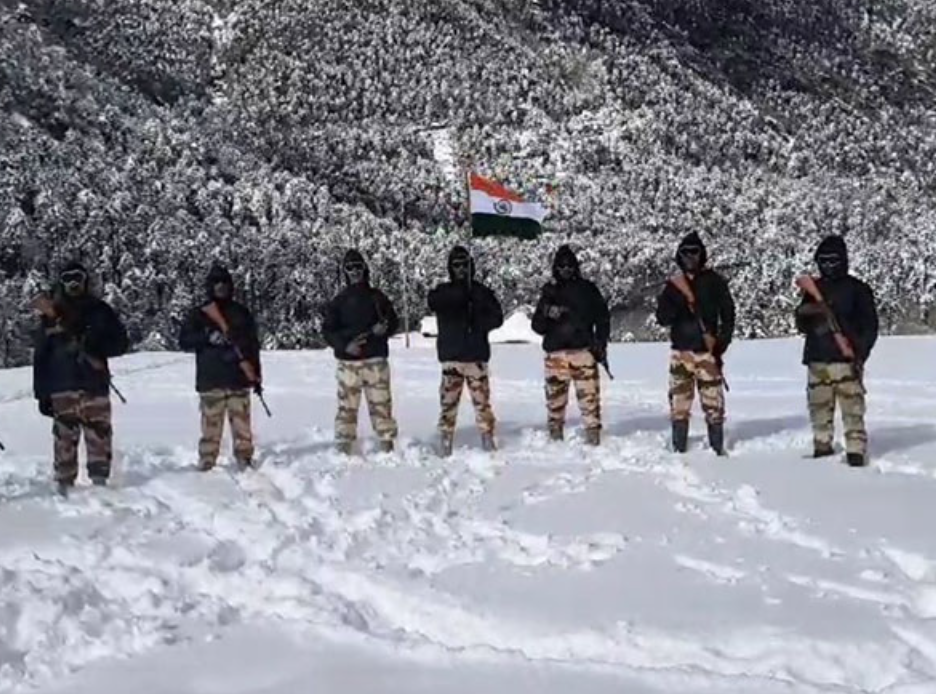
(544, 568)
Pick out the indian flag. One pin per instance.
(499, 211)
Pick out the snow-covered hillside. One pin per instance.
(544, 568)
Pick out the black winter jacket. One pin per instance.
(586, 324)
(355, 311)
(853, 304)
(714, 304)
(463, 330)
(68, 352)
(217, 367)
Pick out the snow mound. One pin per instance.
(515, 330)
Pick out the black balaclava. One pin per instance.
(219, 285)
(691, 254)
(565, 265)
(832, 258)
(73, 280)
(354, 269)
(460, 265)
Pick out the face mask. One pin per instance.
(355, 272)
(221, 291)
(73, 282)
(460, 269)
(565, 271)
(830, 266)
(691, 257)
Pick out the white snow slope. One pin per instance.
(544, 568)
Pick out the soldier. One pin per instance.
(466, 311)
(223, 335)
(839, 318)
(573, 318)
(71, 377)
(357, 325)
(696, 305)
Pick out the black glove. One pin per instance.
(45, 407)
(217, 338)
(258, 389)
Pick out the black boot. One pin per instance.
(856, 460)
(716, 437)
(681, 435)
(446, 443)
(823, 451)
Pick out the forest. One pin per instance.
(151, 138)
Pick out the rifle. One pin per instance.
(601, 357)
(809, 286)
(213, 312)
(682, 284)
(46, 307)
(643, 290)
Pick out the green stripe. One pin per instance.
(496, 225)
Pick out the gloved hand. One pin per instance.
(258, 388)
(218, 338)
(555, 312)
(356, 347)
(811, 310)
(600, 352)
(45, 407)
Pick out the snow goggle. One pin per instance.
(829, 260)
(460, 264)
(690, 251)
(73, 277)
(354, 267)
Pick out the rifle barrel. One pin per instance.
(116, 390)
(265, 407)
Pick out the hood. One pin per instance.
(218, 273)
(833, 245)
(565, 253)
(460, 252)
(354, 255)
(692, 239)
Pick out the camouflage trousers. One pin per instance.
(690, 371)
(454, 377)
(829, 383)
(578, 367)
(215, 404)
(373, 377)
(74, 413)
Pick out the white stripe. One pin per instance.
(482, 203)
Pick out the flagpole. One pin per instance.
(406, 305)
(471, 263)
